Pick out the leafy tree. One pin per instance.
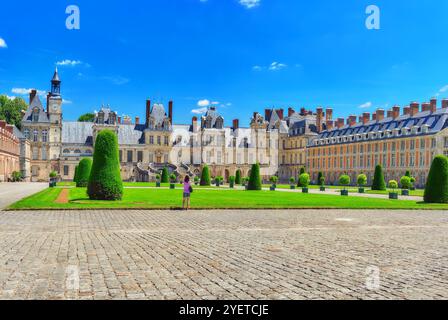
(238, 177)
(393, 185)
(292, 180)
(322, 181)
(436, 190)
(255, 180)
(11, 110)
(344, 180)
(205, 177)
(165, 175)
(16, 176)
(173, 178)
(53, 174)
(362, 180)
(378, 180)
(158, 177)
(304, 180)
(87, 117)
(105, 180)
(302, 171)
(84, 169)
(196, 180)
(405, 182)
(274, 180)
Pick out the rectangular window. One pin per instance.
(159, 141)
(165, 158)
(66, 170)
(151, 158)
(140, 156)
(44, 154)
(412, 144)
(129, 156)
(120, 155)
(35, 154)
(219, 157)
(166, 140)
(151, 139)
(44, 135)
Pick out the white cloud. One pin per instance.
(25, 91)
(118, 80)
(249, 4)
(3, 43)
(203, 103)
(199, 111)
(257, 68)
(365, 105)
(67, 62)
(277, 66)
(215, 102)
(67, 101)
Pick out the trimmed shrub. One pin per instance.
(16, 176)
(165, 175)
(436, 190)
(405, 182)
(304, 180)
(393, 185)
(408, 173)
(344, 180)
(53, 174)
(322, 181)
(302, 171)
(105, 180)
(158, 177)
(75, 177)
(319, 176)
(84, 169)
(292, 180)
(205, 177)
(273, 180)
(255, 180)
(196, 180)
(362, 180)
(232, 181)
(173, 178)
(238, 177)
(378, 180)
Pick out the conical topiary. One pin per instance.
(299, 184)
(165, 175)
(238, 177)
(436, 190)
(83, 174)
(205, 177)
(378, 180)
(75, 177)
(105, 180)
(254, 180)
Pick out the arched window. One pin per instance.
(66, 151)
(77, 151)
(88, 151)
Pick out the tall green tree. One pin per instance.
(105, 179)
(205, 177)
(436, 190)
(378, 180)
(238, 177)
(11, 110)
(299, 184)
(87, 117)
(75, 177)
(83, 172)
(165, 175)
(255, 179)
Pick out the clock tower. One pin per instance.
(54, 111)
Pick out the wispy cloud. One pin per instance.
(69, 63)
(442, 90)
(365, 105)
(3, 43)
(67, 101)
(199, 111)
(274, 66)
(203, 103)
(25, 91)
(117, 80)
(249, 4)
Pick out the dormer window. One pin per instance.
(35, 115)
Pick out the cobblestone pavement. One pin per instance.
(12, 192)
(309, 254)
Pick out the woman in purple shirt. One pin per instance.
(187, 192)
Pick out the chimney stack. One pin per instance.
(33, 94)
(119, 120)
(374, 116)
(365, 117)
(390, 113)
(329, 114)
(351, 121)
(290, 112)
(340, 123)
(137, 120)
(170, 111)
(236, 124)
(267, 114)
(148, 111)
(194, 124)
(330, 125)
(433, 105)
(280, 113)
(415, 108)
(380, 114)
(319, 119)
(407, 110)
(426, 106)
(396, 112)
(444, 103)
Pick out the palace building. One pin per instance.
(281, 144)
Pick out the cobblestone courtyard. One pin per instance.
(223, 254)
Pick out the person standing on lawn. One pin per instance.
(187, 193)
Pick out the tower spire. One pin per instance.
(56, 84)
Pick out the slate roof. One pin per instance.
(77, 132)
(158, 114)
(213, 114)
(35, 103)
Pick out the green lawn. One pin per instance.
(214, 198)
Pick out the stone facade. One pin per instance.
(9, 151)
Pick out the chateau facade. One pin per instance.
(282, 144)
(9, 151)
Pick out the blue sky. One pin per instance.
(247, 55)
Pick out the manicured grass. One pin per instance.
(215, 198)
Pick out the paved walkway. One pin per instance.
(226, 254)
(12, 192)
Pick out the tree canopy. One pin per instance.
(87, 117)
(11, 110)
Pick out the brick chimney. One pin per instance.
(390, 113)
(365, 117)
(374, 116)
(330, 125)
(396, 112)
(445, 103)
(170, 111)
(407, 110)
(380, 114)
(119, 120)
(351, 121)
(415, 108)
(194, 124)
(426, 106)
(236, 124)
(267, 114)
(148, 111)
(319, 118)
(33, 93)
(329, 114)
(433, 105)
(290, 112)
(340, 123)
(280, 113)
(137, 120)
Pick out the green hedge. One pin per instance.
(105, 180)
(238, 177)
(83, 174)
(205, 177)
(165, 175)
(378, 180)
(254, 180)
(437, 184)
(75, 177)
